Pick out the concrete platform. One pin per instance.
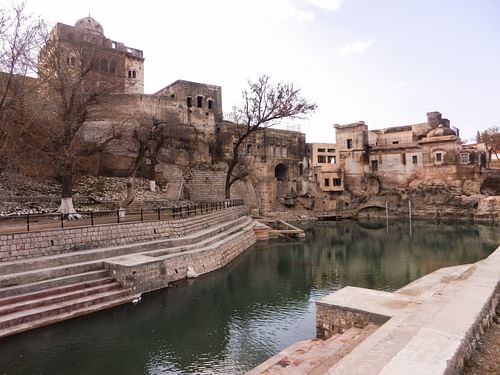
(428, 327)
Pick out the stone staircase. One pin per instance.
(39, 291)
(315, 356)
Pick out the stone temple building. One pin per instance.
(363, 162)
(192, 164)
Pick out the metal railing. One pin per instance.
(54, 220)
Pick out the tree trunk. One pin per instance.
(130, 196)
(152, 177)
(66, 207)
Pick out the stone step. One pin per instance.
(222, 234)
(56, 309)
(33, 276)
(315, 356)
(54, 290)
(51, 283)
(66, 315)
(55, 295)
(109, 252)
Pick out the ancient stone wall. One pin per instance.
(158, 273)
(51, 242)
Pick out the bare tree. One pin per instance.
(70, 80)
(491, 137)
(149, 139)
(21, 36)
(264, 105)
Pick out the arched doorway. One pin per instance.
(281, 172)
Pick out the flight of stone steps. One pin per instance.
(39, 291)
(315, 356)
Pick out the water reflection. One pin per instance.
(230, 320)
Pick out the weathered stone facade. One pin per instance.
(363, 163)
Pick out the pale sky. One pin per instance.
(386, 62)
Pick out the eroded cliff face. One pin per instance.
(444, 198)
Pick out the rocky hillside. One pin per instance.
(21, 194)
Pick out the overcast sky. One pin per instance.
(386, 62)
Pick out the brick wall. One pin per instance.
(51, 242)
(331, 320)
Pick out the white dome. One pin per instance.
(89, 24)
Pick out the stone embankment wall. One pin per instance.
(147, 275)
(51, 242)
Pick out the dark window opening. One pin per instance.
(321, 159)
(349, 143)
(104, 66)
(199, 101)
(134, 74)
(172, 96)
(280, 172)
(327, 182)
(331, 159)
(210, 104)
(331, 150)
(189, 101)
(414, 159)
(438, 157)
(321, 150)
(249, 149)
(374, 165)
(395, 142)
(301, 169)
(337, 182)
(315, 177)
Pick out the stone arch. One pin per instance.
(281, 172)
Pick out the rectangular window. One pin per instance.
(321, 159)
(374, 165)
(337, 182)
(189, 101)
(395, 142)
(283, 152)
(349, 143)
(331, 159)
(331, 150)
(321, 150)
(199, 101)
(464, 158)
(438, 157)
(249, 149)
(414, 159)
(210, 104)
(327, 182)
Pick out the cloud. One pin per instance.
(329, 5)
(357, 46)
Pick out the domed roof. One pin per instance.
(89, 24)
(440, 131)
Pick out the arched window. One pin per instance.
(132, 74)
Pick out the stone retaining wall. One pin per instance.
(51, 242)
(144, 274)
